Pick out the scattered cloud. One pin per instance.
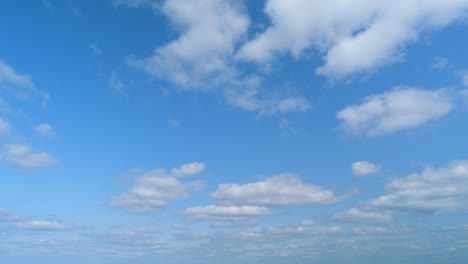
(45, 130)
(187, 170)
(361, 216)
(115, 83)
(23, 156)
(224, 213)
(154, 189)
(357, 37)
(432, 191)
(41, 225)
(399, 109)
(281, 190)
(363, 168)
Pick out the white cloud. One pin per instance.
(355, 36)
(19, 85)
(364, 168)
(153, 190)
(23, 156)
(432, 191)
(187, 170)
(4, 127)
(45, 130)
(281, 190)
(398, 109)
(224, 213)
(361, 216)
(209, 29)
(115, 83)
(41, 225)
(9, 76)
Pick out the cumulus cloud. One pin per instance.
(224, 213)
(362, 216)
(432, 191)
(363, 168)
(41, 225)
(187, 170)
(209, 31)
(399, 109)
(355, 36)
(280, 190)
(45, 130)
(23, 156)
(4, 127)
(153, 190)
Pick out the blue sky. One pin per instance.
(280, 131)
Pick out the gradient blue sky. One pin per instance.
(207, 131)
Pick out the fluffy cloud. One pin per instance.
(362, 216)
(398, 109)
(209, 31)
(364, 168)
(187, 170)
(153, 190)
(432, 191)
(224, 213)
(45, 130)
(355, 36)
(4, 127)
(443, 190)
(281, 190)
(23, 156)
(41, 225)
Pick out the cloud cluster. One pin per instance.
(281, 190)
(355, 36)
(398, 109)
(154, 189)
(433, 191)
(239, 202)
